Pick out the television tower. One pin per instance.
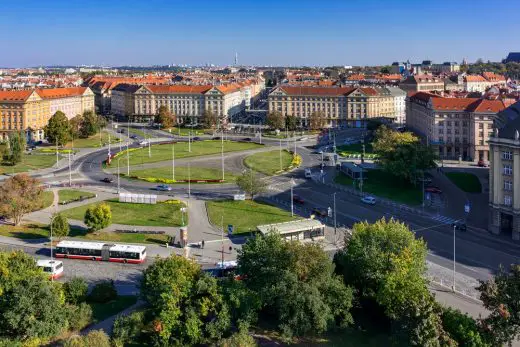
(236, 58)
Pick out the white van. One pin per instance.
(308, 173)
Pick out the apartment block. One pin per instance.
(458, 128)
(422, 83)
(71, 101)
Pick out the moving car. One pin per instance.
(107, 180)
(143, 143)
(433, 189)
(298, 199)
(216, 138)
(370, 200)
(319, 211)
(247, 139)
(196, 138)
(459, 226)
(163, 188)
(133, 136)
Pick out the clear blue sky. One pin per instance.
(282, 32)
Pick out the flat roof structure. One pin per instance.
(291, 227)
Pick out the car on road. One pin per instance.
(133, 136)
(143, 143)
(247, 139)
(196, 138)
(370, 200)
(319, 211)
(298, 199)
(481, 163)
(433, 189)
(459, 226)
(107, 180)
(163, 188)
(216, 138)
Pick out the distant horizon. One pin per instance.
(268, 33)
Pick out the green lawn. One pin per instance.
(101, 312)
(48, 198)
(25, 231)
(30, 162)
(72, 195)
(139, 132)
(465, 181)
(186, 131)
(246, 215)
(384, 185)
(268, 163)
(164, 152)
(94, 141)
(160, 214)
(164, 174)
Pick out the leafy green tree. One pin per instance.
(291, 122)
(385, 69)
(13, 154)
(103, 292)
(19, 195)
(15, 267)
(275, 120)
(75, 290)
(500, 296)
(386, 265)
(89, 124)
(32, 308)
(57, 130)
(251, 183)
(209, 119)
(79, 316)
(60, 226)
(186, 305)
(317, 120)
(463, 329)
(97, 338)
(98, 217)
(242, 338)
(296, 284)
(75, 126)
(128, 328)
(165, 117)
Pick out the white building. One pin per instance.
(399, 96)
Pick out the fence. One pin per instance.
(138, 198)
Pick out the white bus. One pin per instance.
(99, 251)
(52, 267)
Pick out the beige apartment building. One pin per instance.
(339, 105)
(70, 101)
(504, 174)
(458, 128)
(422, 83)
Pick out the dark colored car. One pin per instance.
(481, 163)
(247, 139)
(298, 199)
(196, 138)
(459, 226)
(319, 211)
(433, 189)
(216, 138)
(133, 136)
(107, 180)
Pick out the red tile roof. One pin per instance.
(460, 104)
(55, 93)
(485, 106)
(474, 78)
(319, 91)
(15, 95)
(493, 77)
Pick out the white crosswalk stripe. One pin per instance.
(443, 219)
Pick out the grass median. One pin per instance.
(73, 195)
(164, 174)
(246, 215)
(97, 140)
(163, 152)
(268, 163)
(385, 185)
(30, 162)
(466, 182)
(160, 214)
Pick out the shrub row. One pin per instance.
(81, 198)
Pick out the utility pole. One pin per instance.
(149, 149)
(189, 141)
(173, 162)
(222, 154)
(454, 273)
(118, 179)
(70, 173)
(189, 181)
(127, 161)
(57, 154)
(292, 198)
(222, 239)
(109, 144)
(335, 225)
(281, 155)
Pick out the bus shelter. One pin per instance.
(302, 230)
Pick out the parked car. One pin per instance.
(216, 138)
(298, 199)
(370, 200)
(433, 189)
(107, 180)
(459, 226)
(196, 138)
(247, 139)
(163, 188)
(319, 211)
(481, 163)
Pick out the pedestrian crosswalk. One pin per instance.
(443, 219)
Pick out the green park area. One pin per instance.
(164, 174)
(69, 195)
(98, 140)
(356, 149)
(163, 152)
(101, 311)
(268, 163)
(160, 214)
(30, 162)
(246, 215)
(385, 185)
(180, 131)
(467, 182)
(48, 198)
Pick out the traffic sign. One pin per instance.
(467, 207)
(230, 229)
(329, 212)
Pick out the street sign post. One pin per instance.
(230, 229)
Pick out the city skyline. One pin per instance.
(268, 33)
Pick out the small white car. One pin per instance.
(143, 143)
(370, 200)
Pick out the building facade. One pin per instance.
(399, 98)
(70, 101)
(422, 83)
(458, 128)
(504, 175)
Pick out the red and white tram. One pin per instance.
(101, 251)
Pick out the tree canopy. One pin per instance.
(317, 120)
(165, 117)
(186, 304)
(209, 119)
(251, 183)
(98, 217)
(57, 130)
(295, 284)
(275, 120)
(60, 226)
(90, 124)
(13, 153)
(20, 194)
(291, 122)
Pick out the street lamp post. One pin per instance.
(222, 154)
(118, 179)
(173, 162)
(335, 226)
(292, 198)
(454, 273)
(281, 167)
(189, 181)
(70, 173)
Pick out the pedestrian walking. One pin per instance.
(202, 244)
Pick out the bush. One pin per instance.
(76, 290)
(74, 341)
(239, 339)
(127, 328)
(462, 328)
(103, 292)
(79, 316)
(98, 217)
(96, 338)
